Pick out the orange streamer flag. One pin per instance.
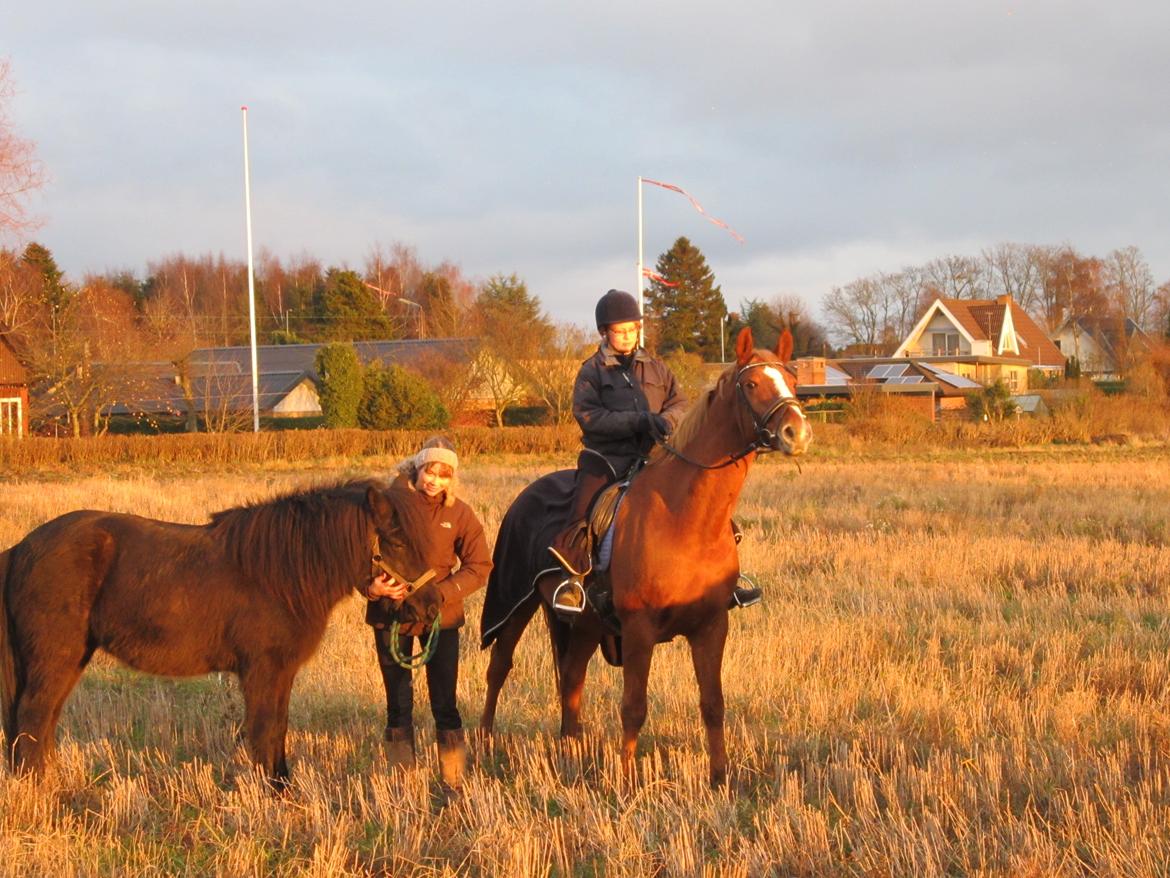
(695, 204)
(650, 274)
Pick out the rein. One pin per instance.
(378, 565)
(761, 443)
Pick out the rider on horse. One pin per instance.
(623, 399)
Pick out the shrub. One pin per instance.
(395, 399)
(340, 372)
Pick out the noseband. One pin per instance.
(764, 435)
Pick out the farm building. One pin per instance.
(13, 392)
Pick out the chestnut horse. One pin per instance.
(249, 593)
(673, 564)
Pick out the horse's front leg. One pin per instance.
(266, 692)
(637, 650)
(707, 657)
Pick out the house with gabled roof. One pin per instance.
(983, 340)
(1101, 347)
(13, 392)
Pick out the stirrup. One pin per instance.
(569, 597)
(746, 597)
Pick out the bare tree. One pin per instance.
(957, 277)
(1129, 283)
(1017, 270)
(20, 172)
(858, 313)
(551, 371)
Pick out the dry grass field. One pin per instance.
(960, 668)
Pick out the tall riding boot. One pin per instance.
(452, 759)
(400, 747)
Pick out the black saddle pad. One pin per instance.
(536, 516)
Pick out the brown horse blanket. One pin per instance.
(521, 552)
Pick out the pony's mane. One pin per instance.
(308, 547)
(696, 416)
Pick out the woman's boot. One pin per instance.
(400, 746)
(452, 759)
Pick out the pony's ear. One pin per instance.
(744, 345)
(784, 346)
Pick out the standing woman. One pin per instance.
(456, 550)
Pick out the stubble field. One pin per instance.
(960, 668)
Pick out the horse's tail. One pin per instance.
(7, 657)
(558, 635)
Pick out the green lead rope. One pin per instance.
(416, 661)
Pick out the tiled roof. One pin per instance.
(983, 319)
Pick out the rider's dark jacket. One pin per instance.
(612, 393)
(456, 550)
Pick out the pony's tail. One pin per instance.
(7, 657)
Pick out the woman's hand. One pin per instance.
(385, 586)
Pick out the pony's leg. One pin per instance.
(707, 657)
(50, 677)
(574, 665)
(638, 640)
(266, 690)
(500, 663)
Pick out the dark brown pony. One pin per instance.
(674, 562)
(249, 593)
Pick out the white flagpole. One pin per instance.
(641, 307)
(251, 279)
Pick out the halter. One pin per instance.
(762, 442)
(378, 565)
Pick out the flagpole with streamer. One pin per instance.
(642, 271)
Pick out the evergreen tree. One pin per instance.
(687, 315)
(340, 372)
(349, 310)
(395, 399)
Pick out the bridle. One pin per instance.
(378, 565)
(761, 443)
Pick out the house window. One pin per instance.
(1013, 380)
(11, 417)
(944, 344)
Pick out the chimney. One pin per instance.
(1003, 300)
(810, 370)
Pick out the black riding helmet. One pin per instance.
(616, 306)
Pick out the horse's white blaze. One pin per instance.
(778, 379)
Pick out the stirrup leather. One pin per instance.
(569, 568)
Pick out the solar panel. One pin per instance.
(888, 370)
(951, 378)
(905, 379)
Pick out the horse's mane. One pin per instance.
(696, 416)
(308, 547)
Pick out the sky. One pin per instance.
(840, 139)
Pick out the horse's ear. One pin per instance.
(784, 346)
(744, 345)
